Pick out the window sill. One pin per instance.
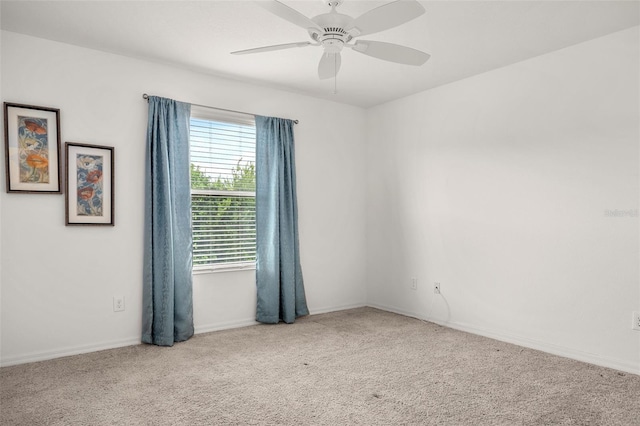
(233, 267)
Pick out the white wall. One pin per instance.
(58, 282)
(496, 186)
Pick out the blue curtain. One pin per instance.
(278, 271)
(167, 311)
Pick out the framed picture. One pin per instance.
(32, 148)
(89, 175)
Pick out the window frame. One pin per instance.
(221, 116)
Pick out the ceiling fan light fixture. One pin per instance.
(333, 45)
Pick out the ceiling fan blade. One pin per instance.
(391, 52)
(329, 65)
(385, 17)
(288, 14)
(271, 48)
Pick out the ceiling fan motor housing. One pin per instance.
(334, 36)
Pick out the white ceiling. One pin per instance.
(464, 38)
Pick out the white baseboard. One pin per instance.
(325, 310)
(227, 325)
(83, 349)
(497, 335)
(396, 310)
(250, 321)
(628, 367)
(70, 351)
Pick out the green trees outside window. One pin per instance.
(224, 226)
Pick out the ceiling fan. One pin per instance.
(335, 31)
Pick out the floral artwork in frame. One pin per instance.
(32, 148)
(90, 173)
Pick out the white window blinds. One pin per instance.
(222, 188)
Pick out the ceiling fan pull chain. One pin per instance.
(335, 76)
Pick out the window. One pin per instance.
(223, 189)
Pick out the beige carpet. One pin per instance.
(356, 367)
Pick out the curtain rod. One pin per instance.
(145, 96)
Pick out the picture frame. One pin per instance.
(32, 149)
(89, 173)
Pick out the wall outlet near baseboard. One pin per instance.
(436, 288)
(118, 303)
(636, 321)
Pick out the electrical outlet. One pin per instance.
(436, 288)
(414, 283)
(118, 303)
(636, 321)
